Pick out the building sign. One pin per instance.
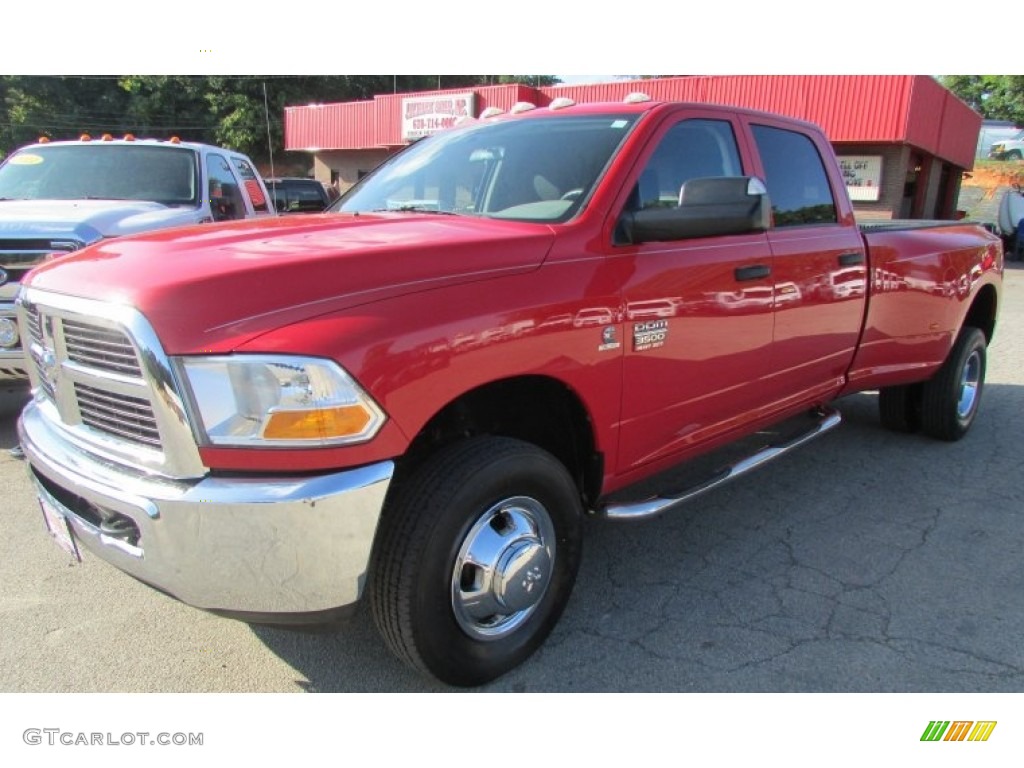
(863, 176)
(424, 115)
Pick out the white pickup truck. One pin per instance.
(1008, 149)
(59, 196)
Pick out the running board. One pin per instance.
(827, 420)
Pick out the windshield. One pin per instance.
(527, 170)
(162, 174)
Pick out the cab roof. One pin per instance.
(107, 140)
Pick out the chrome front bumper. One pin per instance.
(241, 545)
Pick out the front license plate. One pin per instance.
(58, 527)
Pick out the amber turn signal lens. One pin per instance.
(325, 423)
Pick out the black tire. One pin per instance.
(503, 495)
(1013, 154)
(900, 407)
(950, 399)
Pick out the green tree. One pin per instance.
(162, 106)
(58, 107)
(536, 81)
(995, 97)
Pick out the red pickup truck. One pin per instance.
(506, 327)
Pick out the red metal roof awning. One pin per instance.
(903, 109)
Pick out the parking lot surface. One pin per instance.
(868, 561)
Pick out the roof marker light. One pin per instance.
(129, 137)
(491, 112)
(107, 137)
(522, 106)
(175, 140)
(637, 97)
(44, 140)
(85, 137)
(561, 103)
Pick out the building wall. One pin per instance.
(346, 166)
(895, 159)
(907, 120)
(289, 165)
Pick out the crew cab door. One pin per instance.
(225, 192)
(697, 311)
(235, 190)
(819, 271)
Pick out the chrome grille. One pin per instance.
(97, 352)
(102, 379)
(103, 349)
(20, 253)
(35, 328)
(127, 417)
(35, 335)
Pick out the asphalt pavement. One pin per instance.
(867, 561)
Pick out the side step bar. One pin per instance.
(828, 420)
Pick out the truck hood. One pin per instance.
(87, 220)
(213, 287)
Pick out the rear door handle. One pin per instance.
(753, 272)
(851, 259)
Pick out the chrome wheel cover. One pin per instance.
(970, 383)
(503, 568)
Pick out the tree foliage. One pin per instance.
(995, 97)
(231, 111)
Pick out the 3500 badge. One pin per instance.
(650, 335)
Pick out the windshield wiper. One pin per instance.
(414, 208)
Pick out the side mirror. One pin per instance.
(707, 208)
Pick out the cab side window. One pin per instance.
(225, 197)
(797, 183)
(692, 149)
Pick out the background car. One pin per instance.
(298, 195)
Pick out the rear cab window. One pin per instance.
(795, 174)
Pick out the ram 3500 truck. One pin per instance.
(507, 326)
(57, 197)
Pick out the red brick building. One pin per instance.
(904, 140)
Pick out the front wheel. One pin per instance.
(950, 399)
(476, 557)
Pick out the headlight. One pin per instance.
(8, 333)
(263, 400)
